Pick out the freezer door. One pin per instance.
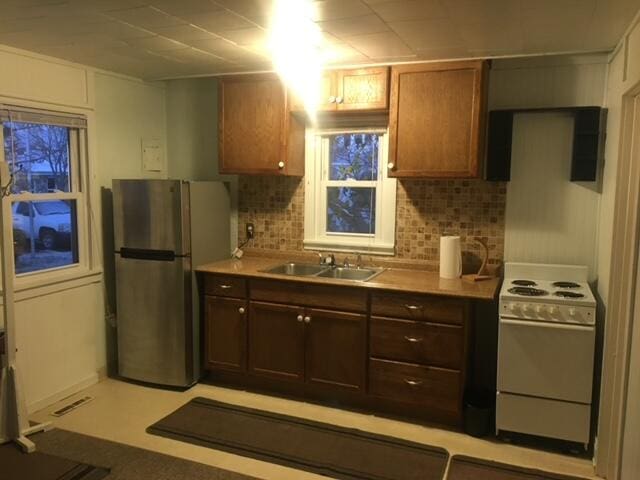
(151, 215)
(155, 325)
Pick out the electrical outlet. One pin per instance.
(249, 230)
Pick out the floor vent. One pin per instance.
(72, 406)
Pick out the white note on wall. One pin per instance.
(151, 155)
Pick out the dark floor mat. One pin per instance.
(16, 465)
(468, 468)
(126, 462)
(320, 448)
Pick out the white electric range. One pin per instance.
(546, 351)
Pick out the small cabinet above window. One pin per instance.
(256, 132)
(361, 89)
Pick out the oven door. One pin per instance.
(549, 360)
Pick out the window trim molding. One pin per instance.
(79, 180)
(315, 236)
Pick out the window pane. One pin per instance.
(44, 235)
(351, 210)
(354, 156)
(38, 156)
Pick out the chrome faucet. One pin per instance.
(346, 263)
(358, 260)
(332, 259)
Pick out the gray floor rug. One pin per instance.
(468, 468)
(125, 462)
(17, 465)
(321, 448)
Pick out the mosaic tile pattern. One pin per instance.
(425, 210)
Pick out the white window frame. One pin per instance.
(316, 237)
(78, 166)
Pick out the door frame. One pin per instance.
(622, 287)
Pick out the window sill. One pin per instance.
(324, 245)
(52, 283)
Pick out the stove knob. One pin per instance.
(552, 310)
(538, 309)
(572, 312)
(512, 307)
(525, 308)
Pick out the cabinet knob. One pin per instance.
(339, 99)
(241, 310)
(390, 165)
(280, 165)
(332, 99)
(300, 318)
(307, 319)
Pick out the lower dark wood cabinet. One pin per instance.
(336, 348)
(226, 333)
(276, 341)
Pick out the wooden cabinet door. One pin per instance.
(276, 341)
(256, 134)
(436, 119)
(335, 348)
(226, 333)
(363, 89)
(326, 96)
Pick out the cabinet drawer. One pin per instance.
(321, 296)
(429, 386)
(225, 286)
(419, 307)
(417, 342)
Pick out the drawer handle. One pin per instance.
(300, 318)
(241, 310)
(413, 383)
(225, 287)
(413, 307)
(413, 339)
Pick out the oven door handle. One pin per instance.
(558, 326)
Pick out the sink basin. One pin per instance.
(298, 269)
(361, 274)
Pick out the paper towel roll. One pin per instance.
(450, 257)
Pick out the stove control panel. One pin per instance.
(548, 313)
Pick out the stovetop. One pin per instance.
(549, 284)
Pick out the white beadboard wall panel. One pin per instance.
(565, 81)
(548, 218)
(33, 77)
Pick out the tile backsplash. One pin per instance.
(425, 210)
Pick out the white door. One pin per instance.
(631, 438)
(548, 360)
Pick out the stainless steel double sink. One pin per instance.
(325, 271)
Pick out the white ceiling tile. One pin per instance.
(410, 10)
(245, 36)
(428, 34)
(380, 45)
(219, 21)
(324, 10)
(184, 7)
(156, 43)
(146, 17)
(342, 53)
(222, 48)
(354, 26)
(247, 8)
(185, 33)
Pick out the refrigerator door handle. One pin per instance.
(144, 254)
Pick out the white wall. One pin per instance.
(548, 218)
(61, 329)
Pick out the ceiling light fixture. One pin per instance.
(295, 44)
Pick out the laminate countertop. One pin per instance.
(392, 279)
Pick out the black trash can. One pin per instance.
(478, 411)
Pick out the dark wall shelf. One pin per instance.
(588, 142)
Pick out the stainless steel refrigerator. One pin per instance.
(162, 229)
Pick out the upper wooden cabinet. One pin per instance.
(436, 119)
(256, 133)
(362, 89)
